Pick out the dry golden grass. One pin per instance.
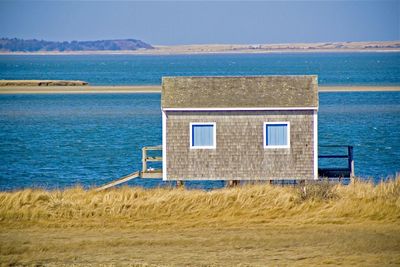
(252, 225)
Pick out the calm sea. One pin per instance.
(332, 68)
(55, 141)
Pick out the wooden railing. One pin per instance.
(144, 173)
(150, 172)
(338, 171)
(330, 172)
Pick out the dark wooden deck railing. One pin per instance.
(338, 171)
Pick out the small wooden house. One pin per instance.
(240, 128)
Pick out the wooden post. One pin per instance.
(351, 161)
(144, 162)
(233, 183)
(179, 184)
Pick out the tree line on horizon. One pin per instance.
(34, 45)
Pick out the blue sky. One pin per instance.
(193, 22)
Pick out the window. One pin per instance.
(276, 135)
(202, 135)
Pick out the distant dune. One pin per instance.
(146, 49)
(266, 48)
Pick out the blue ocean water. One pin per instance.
(332, 68)
(56, 141)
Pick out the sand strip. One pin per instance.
(155, 89)
(324, 89)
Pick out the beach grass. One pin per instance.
(250, 225)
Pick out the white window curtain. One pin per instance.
(202, 135)
(276, 134)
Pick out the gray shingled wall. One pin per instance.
(240, 153)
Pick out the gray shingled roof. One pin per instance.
(240, 92)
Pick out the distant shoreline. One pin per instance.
(134, 89)
(211, 49)
(172, 53)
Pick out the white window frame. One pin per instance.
(214, 146)
(265, 134)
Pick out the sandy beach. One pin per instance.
(90, 89)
